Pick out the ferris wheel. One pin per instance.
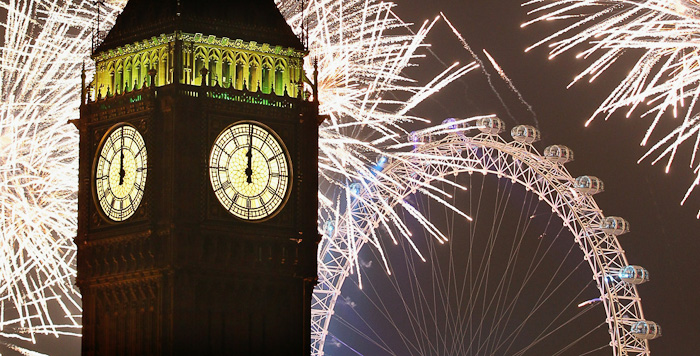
(433, 159)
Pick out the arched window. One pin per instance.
(214, 67)
(154, 65)
(279, 81)
(227, 70)
(241, 64)
(214, 74)
(293, 81)
(200, 61)
(107, 86)
(226, 74)
(144, 71)
(198, 65)
(163, 75)
(118, 78)
(253, 73)
(136, 73)
(266, 79)
(279, 77)
(126, 75)
(252, 78)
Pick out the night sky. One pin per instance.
(664, 237)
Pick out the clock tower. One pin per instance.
(197, 219)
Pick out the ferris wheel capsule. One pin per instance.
(419, 137)
(451, 123)
(491, 125)
(646, 330)
(355, 188)
(589, 185)
(558, 154)
(615, 225)
(381, 163)
(525, 133)
(634, 275)
(329, 227)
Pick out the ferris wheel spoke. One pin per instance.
(542, 299)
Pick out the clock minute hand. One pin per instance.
(122, 172)
(249, 169)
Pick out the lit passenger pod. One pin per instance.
(589, 185)
(634, 275)
(615, 225)
(558, 154)
(525, 134)
(646, 330)
(491, 125)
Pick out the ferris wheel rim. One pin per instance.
(551, 182)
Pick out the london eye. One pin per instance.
(485, 308)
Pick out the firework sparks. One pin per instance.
(511, 86)
(362, 49)
(44, 45)
(664, 78)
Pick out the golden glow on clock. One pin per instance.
(120, 172)
(249, 171)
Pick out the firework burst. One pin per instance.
(362, 49)
(665, 37)
(43, 48)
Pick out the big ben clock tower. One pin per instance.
(197, 227)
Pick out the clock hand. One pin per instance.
(249, 169)
(122, 173)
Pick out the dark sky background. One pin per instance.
(665, 238)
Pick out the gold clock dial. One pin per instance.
(120, 172)
(249, 171)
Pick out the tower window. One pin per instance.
(252, 78)
(198, 65)
(266, 80)
(279, 81)
(214, 73)
(226, 74)
(239, 75)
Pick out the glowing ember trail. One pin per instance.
(511, 86)
(664, 78)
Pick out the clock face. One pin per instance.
(120, 172)
(249, 171)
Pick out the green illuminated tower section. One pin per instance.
(197, 230)
(201, 60)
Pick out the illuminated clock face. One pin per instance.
(249, 171)
(120, 172)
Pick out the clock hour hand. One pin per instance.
(249, 169)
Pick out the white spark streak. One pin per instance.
(664, 35)
(42, 51)
(511, 86)
(362, 49)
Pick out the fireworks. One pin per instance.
(362, 49)
(44, 45)
(665, 37)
